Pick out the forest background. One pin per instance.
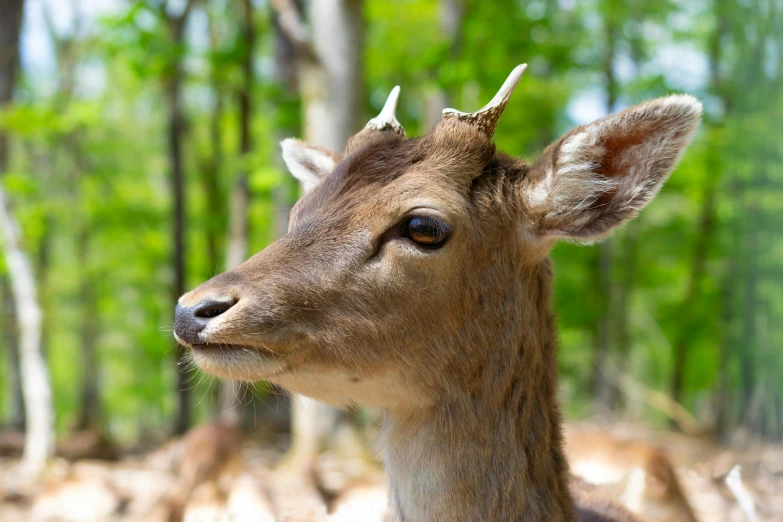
(139, 156)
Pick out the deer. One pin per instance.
(415, 277)
(640, 473)
(211, 452)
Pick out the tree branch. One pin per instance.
(176, 23)
(655, 399)
(186, 12)
(294, 28)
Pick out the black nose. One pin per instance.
(190, 320)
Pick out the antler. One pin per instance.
(486, 119)
(385, 121)
(388, 118)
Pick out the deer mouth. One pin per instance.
(238, 362)
(208, 348)
(220, 346)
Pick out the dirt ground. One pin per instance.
(246, 480)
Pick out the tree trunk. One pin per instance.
(89, 416)
(287, 76)
(210, 180)
(748, 346)
(11, 336)
(438, 98)
(706, 229)
(10, 25)
(603, 328)
(39, 440)
(721, 393)
(330, 89)
(210, 171)
(175, 131)
(704, 235)
(240, 195)
(42, 265)
(603, 389)
(623, 306)
(90, 413)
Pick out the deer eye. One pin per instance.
(426, 231)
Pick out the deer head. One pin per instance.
(412, 268)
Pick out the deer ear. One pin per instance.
(598, 176)
(308, 163)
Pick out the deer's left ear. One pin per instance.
(600, 175)
(308, 163)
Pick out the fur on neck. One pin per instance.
(494, 453)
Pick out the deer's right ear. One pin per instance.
(598, 176)
(308, 163)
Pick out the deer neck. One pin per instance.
(493, 453)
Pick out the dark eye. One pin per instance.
(426, 231)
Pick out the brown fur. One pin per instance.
(592, 505)
(661, 498)
(457, 344)
(211, 450)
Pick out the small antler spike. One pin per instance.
(387, 118)
(486, 119)
(385, 124)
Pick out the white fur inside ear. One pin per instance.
(620, 161)
(571, 184)
(307, 163)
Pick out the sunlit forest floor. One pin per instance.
(216, 474)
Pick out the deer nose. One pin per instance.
(189, 321)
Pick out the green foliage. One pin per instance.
(98, 163)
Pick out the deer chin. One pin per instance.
(240, 363)
(343, 387)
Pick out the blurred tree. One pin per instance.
(172, 82)
(212, 161)
(436, 98)
(39, 441)
(11, 342)
(604, 264)
(707, 226)
(286, 103)
(67, 55)
(9, 32)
